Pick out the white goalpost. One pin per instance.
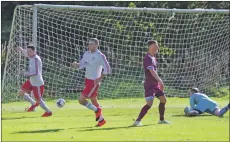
(194, 48)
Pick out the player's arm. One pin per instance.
(155, 75)
(35, 70)
(23, 51)
(192, 103)
(81, 64)
(191, 111)
(106, 69)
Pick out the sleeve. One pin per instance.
(105, 65)
(192, 104)
(35, 69)
(82, 63)
(148, 64)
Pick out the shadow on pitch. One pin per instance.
(37, 131)
(182, 115)
(113, 128)
(12, 118)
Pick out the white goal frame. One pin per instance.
(100, 8)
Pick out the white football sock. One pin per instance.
(91, 106)
(101, 118)
(44, 106)
(29, 99)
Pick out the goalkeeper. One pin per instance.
(200, 103)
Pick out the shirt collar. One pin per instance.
(33, 55)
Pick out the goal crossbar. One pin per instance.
(132, 9)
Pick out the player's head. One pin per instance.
(194, 90)
(31, 50)
(153, 47)
(93, 44)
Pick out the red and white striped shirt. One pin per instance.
(94, 62)
(35, 71)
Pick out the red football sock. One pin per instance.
(161, 110)
(144, 110)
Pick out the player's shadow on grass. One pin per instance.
(12, 118)
(182, 115)
(37, 131)
(114, 128)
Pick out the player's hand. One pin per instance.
(161, 85)
(75, 64)
(97, 81)
(19, 49)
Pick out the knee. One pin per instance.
(217, 112)
(163, 101)
(149, 105)
(38, 101)
(81, 101)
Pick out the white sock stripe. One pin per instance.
(91, 92)
(39, 93)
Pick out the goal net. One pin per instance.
(194, 48)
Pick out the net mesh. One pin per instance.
(194, 49)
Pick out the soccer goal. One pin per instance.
(194, 48)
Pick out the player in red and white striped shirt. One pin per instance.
(35, 84)
(94, 61)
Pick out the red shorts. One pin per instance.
(90, 90)
(38, 91)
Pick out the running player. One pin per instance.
(93, 60)
(153, 84)
(35, 84)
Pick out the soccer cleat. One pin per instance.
(137, 124)
(31, 108)
(47, 114)
(163, 122)
(101, 123)
(98, 113)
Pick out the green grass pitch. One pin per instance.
(76, 123)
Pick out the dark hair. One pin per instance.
(195, 90)
(31, 47)
(150, 42)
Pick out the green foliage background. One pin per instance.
(121, 31)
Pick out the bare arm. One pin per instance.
(20, 49)
(155, 75)
(81, 64)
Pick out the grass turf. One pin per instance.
(76, 123)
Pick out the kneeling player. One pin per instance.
(200, 103)
(35, 84)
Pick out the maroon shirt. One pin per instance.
(149, 63)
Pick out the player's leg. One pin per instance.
(149, 102)
(194, 112)
(82, 100)
(221, 112)
(87, 93)
(161, 96)
(200, 108)
(38, 93)
(25, 90)
(144, 110)
(94, 101)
